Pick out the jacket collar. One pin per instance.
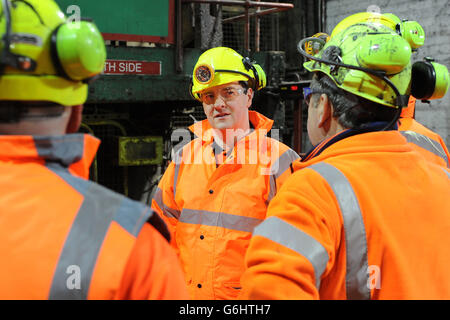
(409, 111)
(203, 129)
(322, 146)
(74, 151)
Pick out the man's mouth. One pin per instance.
(221, 115)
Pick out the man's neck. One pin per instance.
(334, 129)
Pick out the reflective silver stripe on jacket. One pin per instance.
(66, 149)
(219, 219)
(355, 233)
(293, 238)
(448, 173)
(426, 143)
(167, 211)
(80, 251)
(278, 168)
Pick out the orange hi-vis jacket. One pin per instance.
(427, 142)
(212, 209)
(64, 237)
(368, 218)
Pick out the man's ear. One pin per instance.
(325, 113)
(250, 95)
(76, 114)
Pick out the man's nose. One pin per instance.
(219, 103)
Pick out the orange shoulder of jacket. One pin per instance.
(153, 271)
(413, 125)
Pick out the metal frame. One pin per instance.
(122, 129)
(273, 8)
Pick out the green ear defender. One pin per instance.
(262, 79)
(412, 32)
(430, 80)
(384, 52)
(78, 50)
(260, 76)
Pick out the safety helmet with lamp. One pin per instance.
(221, 65)
(367, 57)
(45, 58)
(429, 78)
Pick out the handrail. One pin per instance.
(274, 7)
(245, 3)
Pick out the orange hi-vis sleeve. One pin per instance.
(366, 219)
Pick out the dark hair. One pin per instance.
(351, 111)
(15, 111)
(245, 85)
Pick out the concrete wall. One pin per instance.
(434, 16)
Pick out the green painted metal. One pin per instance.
(139, 151)
(170, 85)
(138, 17)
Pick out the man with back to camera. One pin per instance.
(365, 215)
(62, 236)
(427, 142)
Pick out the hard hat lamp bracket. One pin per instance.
(7, 58)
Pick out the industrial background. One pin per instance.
(152, 46)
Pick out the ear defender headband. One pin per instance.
(204, 74)
(77, 49)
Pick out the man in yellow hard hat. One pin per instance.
(218, 186)
(62, 236)
(429, 143)
(365, 215)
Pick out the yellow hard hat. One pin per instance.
(223, 65)
(359, 51)
(411, 31)
(369, 55)
(45, 58)
(369, 17)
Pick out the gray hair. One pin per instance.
(351, 111)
